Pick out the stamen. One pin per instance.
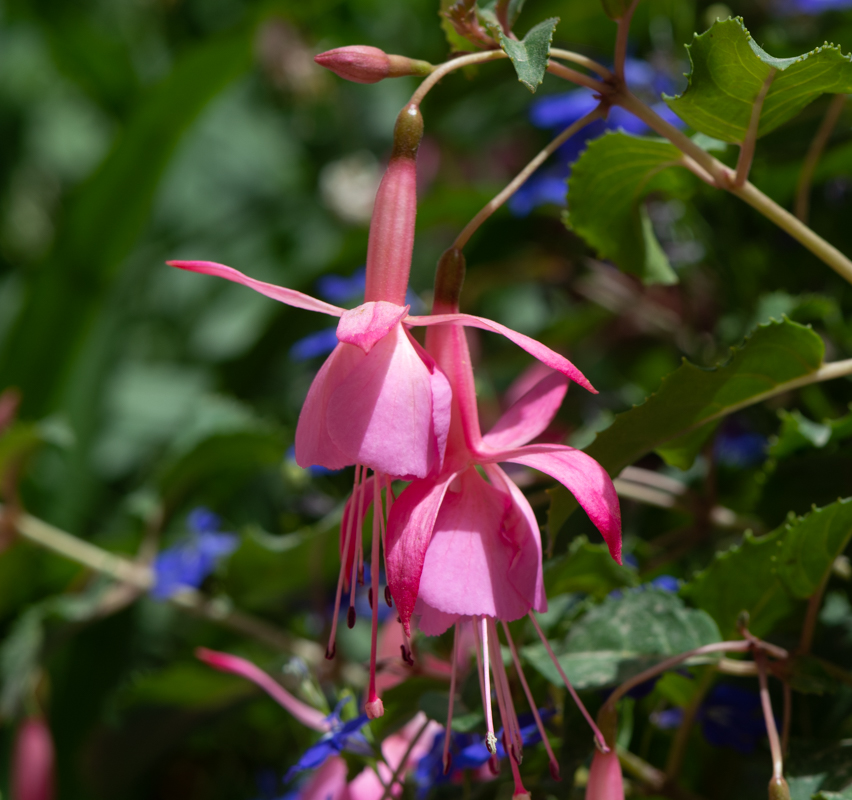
(598, 735)
(388, 506)
(511, 737)
(388, 598)
(490, 738)
(374, 706)
(520, 792)
(358, 558)
(331, 649)
(554, 764)
(446, 758)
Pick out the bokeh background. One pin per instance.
(134, 131)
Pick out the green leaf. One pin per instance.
(681, 452)
(743, 578)
(605, 192)
(800, 433)
(729, 70)
(764, 576)
(529, 56)
(773, 355)
(586, 568)
(821, 771)
(623, 636)
(455, 40)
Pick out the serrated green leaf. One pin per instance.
(490, 11)
(729, 70)
(605, 192)
(586, 568)
(774, 354)
(681, 452)
(764, 576)
(529, 56)
(623, 636)
(743, 578)
(800, 433)
(810, 545)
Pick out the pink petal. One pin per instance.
(442, 401)
(605, 781)
(328, 782)
(409, 530)
(584, 478)
(365, 325)
(225, 662)
(529, 416)
(533, 347)
(482, 559)
(381, 414)
(430, 621)
(314, 446)
(289, 296)
(521, 526)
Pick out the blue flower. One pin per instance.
(739, 448)
(188, 563)
(811, 6)
(468, 751)
(729, 717)
(341, 288)
(342, 736)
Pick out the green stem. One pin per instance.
(681, 738)
(583, 61)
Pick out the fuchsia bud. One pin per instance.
(32, 762)
(363, 64)
(605, 781)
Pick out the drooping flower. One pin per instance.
(190, 561)
(33, 762)
(464, 547)
(605, 780)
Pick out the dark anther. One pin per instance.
(370, 597)
(350, 617)
(388, 598)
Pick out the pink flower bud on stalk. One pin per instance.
(32, 762)
(778, 789)
(363, 64)
(605, 781)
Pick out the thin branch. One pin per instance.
(583, 61)
(449, 66)
(578, 77)
(788, 715)
(771, 730)
(812, 615)
(674, 763)
(748, 145)
(820, 140)
(621, 39)
(513, 186)
(748, 192)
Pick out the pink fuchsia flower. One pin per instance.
(364, 64)
(605, 781)
(33, 762)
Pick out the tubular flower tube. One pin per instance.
(605, 780)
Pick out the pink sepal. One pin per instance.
(225, 662)
(365, 325)
(530, 415)
(289, 296)
(587, 480)
(410, 525)
(33, 762)
(533, 347)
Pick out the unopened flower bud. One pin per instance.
(364, 64)
(33, 762)
(605, 781)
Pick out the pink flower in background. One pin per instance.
(33, 762)
(605, 781)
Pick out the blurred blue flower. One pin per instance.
(315, 470)
(667, 583)
(547, 185)
(811, 6)
(342, 288)
(343, 736)
(729, 717)
(739, 448)
(188, 563)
